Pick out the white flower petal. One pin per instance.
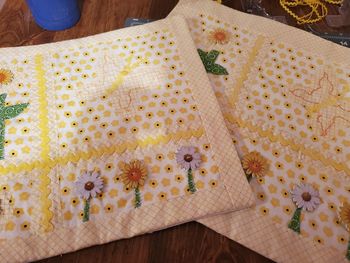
(93, 193)
(300, 203)
(316, 200)
(190, 150)
(308, 206)
(186, 165)
(86, 195)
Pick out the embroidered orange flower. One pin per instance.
(255, 164)
(344, 215)
(6, 76)
(219, 36)
(134, 174)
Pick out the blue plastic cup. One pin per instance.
(55, 14)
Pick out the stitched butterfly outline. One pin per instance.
(322, 99)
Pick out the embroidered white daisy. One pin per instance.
(305, 196)
(188, 158)
(89, 185)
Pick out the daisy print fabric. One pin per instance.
(285, 97)
(107, 137)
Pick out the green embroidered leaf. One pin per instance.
(10, 112)
(348, 251)
(294, 224)
(213, 55)
(3, 98)
(219, 70)
(208, 59)
(7, 112)
(202, 54)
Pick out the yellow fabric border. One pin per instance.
(314, 154)
(246, 69)
(44, 185)
(120, 148)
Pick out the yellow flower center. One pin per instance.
(89, 186)
(306, 196)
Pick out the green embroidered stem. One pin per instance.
(7, 112)
(191, 184)
(137, 197)
(86, 216)
(294, 224)
(208, 59)
(348, 251)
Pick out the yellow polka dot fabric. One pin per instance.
(286, 95)
(110, 113)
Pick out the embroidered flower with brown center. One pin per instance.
(305, 196)
(219, 36)
(6, 76)
(134, 174)
(254, 164)
(188, 158)
(89, 185)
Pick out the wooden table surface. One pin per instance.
(190, 242)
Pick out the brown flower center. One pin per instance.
(220, 36)
(135, 175)
(89, 186)
(188, 158)
(306, 196)
(255, 166)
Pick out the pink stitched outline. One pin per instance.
(325, 75)
(325, 131)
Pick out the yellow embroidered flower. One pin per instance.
(6, 76)
(344, 215)
(219, 36)
(255, 164)
(134, 174)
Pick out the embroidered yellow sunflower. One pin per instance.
(219, 36)
(134, 174)
(6, 76)
(344, 215)
(254, 164)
